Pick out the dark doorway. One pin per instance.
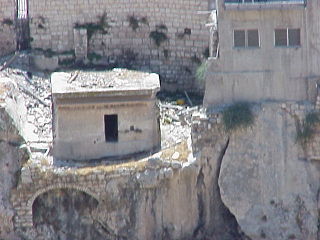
(111, 127)
(66, 214)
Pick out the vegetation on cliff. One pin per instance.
(306, 129)
(237, 116)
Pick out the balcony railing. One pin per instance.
(264, 1)
(263, 4)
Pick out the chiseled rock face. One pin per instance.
(264, 181)
(10, 163)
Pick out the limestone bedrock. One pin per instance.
(266, 182)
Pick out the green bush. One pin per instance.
(313, 118)
(102, 26)
(236, 116)
(306, 129)
(201, 71)
(133, 22)
(159, 35)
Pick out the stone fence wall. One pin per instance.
(7, 30)
(100, 184)
(163, 36)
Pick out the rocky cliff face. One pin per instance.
(266, 179)
(11, 159)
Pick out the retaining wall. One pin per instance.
(120, 31)
(7, 30)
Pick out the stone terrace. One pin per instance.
(35, 180)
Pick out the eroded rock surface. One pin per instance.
(11, 159)
(266, 181)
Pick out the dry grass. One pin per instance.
(137, 165)
(166, 154)
(181, 148)
(3, 89)
(140, 165)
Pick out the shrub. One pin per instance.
(133, 22)
(159, 36)
(313, 118)
(306, 129)
(201, 71)
(236, 116)
(102, 26)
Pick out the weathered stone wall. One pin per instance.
(135, 204)
(128, 42)
(80, 131)
(7, 29)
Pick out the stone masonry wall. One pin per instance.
(7, 33)
(133, 196)
(126, 42)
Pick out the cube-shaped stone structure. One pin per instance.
(104, 114)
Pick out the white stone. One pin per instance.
(175, 156)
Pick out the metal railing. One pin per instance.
(265, 1)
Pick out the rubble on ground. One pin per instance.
(175, 123)
(115, 78)
(36, 90)
(175, 116)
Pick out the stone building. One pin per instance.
(267, 51)
(104, 114)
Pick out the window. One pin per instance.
(239, 38)
(111, 127)
(294, 37)
(246, 38)
(287, 37)
(253, 38)
(280, 36)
